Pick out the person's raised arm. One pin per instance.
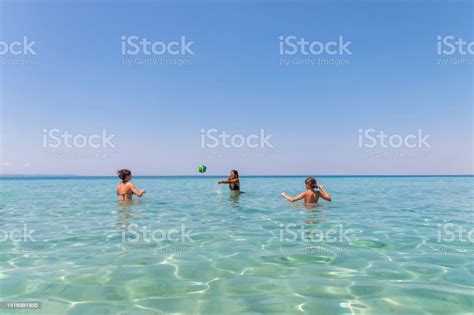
(324, 194)
(293, 199)
(228, 181)
(135, 191)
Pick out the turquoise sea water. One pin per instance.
(384, 245)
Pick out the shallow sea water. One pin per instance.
(384, 245)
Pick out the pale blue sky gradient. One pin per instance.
(235, 83)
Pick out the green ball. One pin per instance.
(202, 168)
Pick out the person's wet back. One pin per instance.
(312, 193)
(126, 189)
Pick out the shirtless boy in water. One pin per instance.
(125, 189)
(311, 195)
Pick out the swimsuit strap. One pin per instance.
(234, 186)
(129, 193)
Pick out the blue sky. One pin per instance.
(235, 83)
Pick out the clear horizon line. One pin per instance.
(252, 175)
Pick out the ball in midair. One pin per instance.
(202, 169)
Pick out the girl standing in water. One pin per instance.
(233, 181)
(126, 189)
(311, 195)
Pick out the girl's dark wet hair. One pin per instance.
(236, 173)
(311, 181)
(123, 174)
